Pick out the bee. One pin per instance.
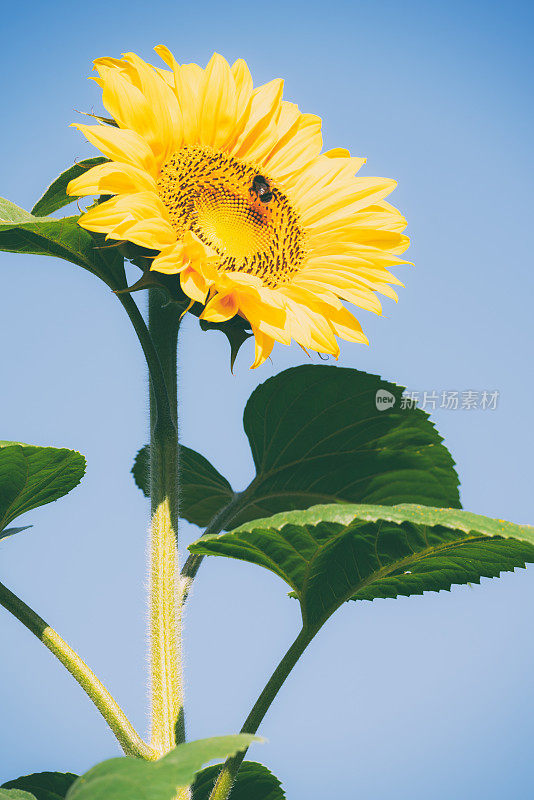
(260, 187)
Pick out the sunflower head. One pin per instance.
(228, 185)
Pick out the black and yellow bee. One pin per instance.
(260, 187)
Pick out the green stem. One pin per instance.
(228, 773)
(165, 629)
(129, 739)
(217, 524)
(160, 398)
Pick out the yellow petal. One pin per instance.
(126, 103)
(164, 107)
(111, 178)
(348, 289)
(218, 105)
(220, 308)
(190, 251)
(315, 177)
(338, 202)
(337, 152)
(187, 82)
(165, 54)
(298, 147)
(170, 260)
(126, 147)
(263, 347)
(362, 241)
(104, 217)
(259, 134)
(307, 326)
(243, 85)
(194, 284)
(382, 215)
(168, 75)
(232, 279)
(346, 325)
(369, 275)
(357, 254)
(156, 234)
(118, 64)
(265, 311)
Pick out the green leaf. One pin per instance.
(333, 553)
(253, 782)
(203, 490)
(21, 232)
(15, 794)
(44, 785)
(34, 476)
(12, 531)
(56, 196)
(317, 436)
(133, 779)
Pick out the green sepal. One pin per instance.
(237, 330)
(168, 284)
(56, 196)
(12, 531)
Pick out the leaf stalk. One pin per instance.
(127, 736)
(229, 771)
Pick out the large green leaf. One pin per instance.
(33, 476)
(254, 782)
(44, 785)
(133, 779)
(317, 436)
(21, 232)
(56, 196)
(203, 490)
(333, 553)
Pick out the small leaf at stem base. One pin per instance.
(44, 785)
(254, 782)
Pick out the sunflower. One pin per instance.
(228, 185)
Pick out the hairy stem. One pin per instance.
(161, 407)
(228, 773)
(129, 739)
(165, 634)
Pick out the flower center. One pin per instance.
(235, 210)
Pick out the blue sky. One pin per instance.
(425, 696)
